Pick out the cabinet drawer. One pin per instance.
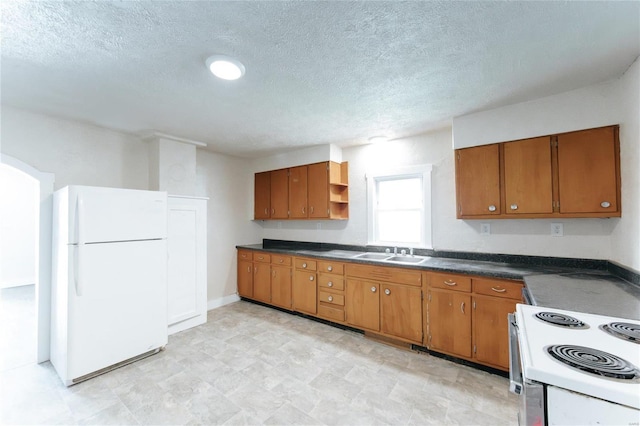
(307, 264)
(333, 298)
(245, 255)
(277, 259)
(262, 257)
(498, 288)
(330, 313)
(335, 282)
(450, 282)
(382, 273)
(331, 267)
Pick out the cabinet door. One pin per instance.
(281, 286)
(401, 311)
(304, 293)
(587, 171)
(245, 278)
(362, 304)
(261, 282)
(298, 192)
(491, 330)
(319, 190)
(527, 176)
(449, 322)
(262, 196)
(280, 194)
(478, 180)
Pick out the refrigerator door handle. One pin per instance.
(78, 260)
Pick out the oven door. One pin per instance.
(532, 403)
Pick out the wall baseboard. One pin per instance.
(216, 303)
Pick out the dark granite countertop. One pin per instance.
(583, 285)
(594, 292)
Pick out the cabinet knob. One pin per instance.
(373, 289)
(304, 265)
(310, 277)
(605, 204)
(281, 260)
(492, 208)
(514, 207)
(330, 298)
(330, 284)
(329, 268)
(249, 269)
(387, 291)
(312, 209)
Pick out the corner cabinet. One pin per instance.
(575, 174)
(312, 191)
(187, 262)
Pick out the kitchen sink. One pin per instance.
(405, 259)
(373, 256)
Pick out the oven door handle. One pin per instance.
(515, 370)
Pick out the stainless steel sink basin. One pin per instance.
(405, 259)
(373, 256)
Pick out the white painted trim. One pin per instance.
(424, 170)
(155, 135)
(217, 303)
(189, 197)
(43, 257)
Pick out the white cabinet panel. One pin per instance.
(187, 270)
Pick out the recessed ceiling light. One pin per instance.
(378, 139)
(225, 67)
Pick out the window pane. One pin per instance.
(400, 194)
(399, 226)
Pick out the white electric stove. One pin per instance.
(575, 368)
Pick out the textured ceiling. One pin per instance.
(317, 72)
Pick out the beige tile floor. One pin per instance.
(255, 365)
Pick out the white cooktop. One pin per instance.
(538, 365)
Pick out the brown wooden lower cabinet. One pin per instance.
(491, 330)
(461, 315)
(362, 304)
(449, 322)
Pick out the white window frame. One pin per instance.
(423, 171)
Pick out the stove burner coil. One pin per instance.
(623, 330)
(594, 362)
(561, 320)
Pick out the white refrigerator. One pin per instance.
(109, 296)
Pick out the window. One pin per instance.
(399, 207)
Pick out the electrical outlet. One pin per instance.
(556, 230)
(485, 229)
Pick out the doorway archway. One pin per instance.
(43, 256)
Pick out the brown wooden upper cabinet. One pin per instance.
(312, 191)
(478, 181)
(575, 174)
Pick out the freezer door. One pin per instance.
(113, 214)
(117, 303)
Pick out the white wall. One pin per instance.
(625, 241)
(226, 181)
(77, 153)
(19, 205)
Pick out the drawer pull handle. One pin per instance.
(373, 289)
(462, 307)
(281, 260)
(329, 268)
(260, 257)
(450, 283)
(266, 212)
(330, 284)
(304, 265)
(387, 291)
(274, 273)
(330, 298)
(249, 269)
(499, 290)
(310, 277)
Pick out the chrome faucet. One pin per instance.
(395, 250)
(411, 251)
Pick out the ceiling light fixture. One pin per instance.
(225, 67)
(378, 139)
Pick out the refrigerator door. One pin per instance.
(112, 214)
(117, 303)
